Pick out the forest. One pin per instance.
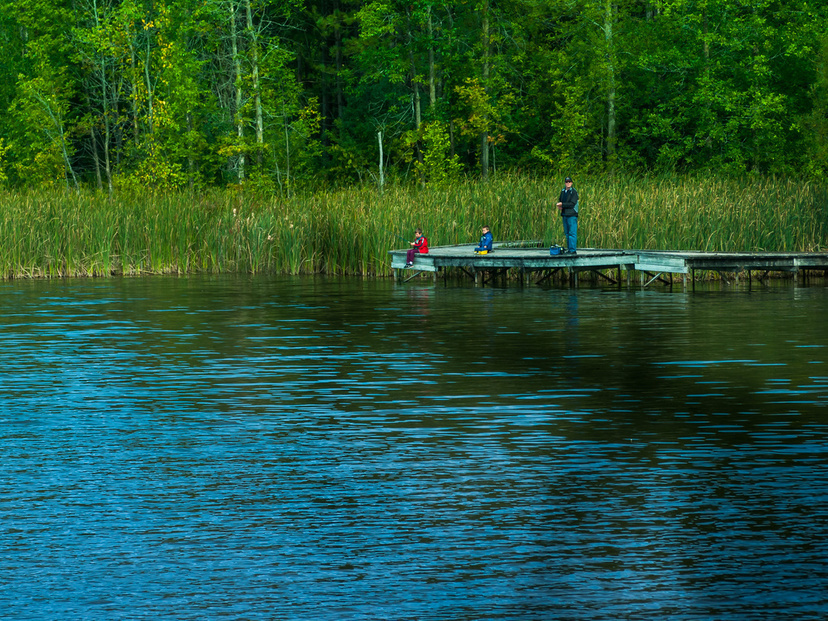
(282, 95)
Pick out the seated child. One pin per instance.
(419, 246)
(485, 244)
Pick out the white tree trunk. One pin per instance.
(257, 91)
(381, 174)
(484, 136)
(238, 83)
(611, 88)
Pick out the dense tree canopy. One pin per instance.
(285, 93)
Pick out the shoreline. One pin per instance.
(55, 233)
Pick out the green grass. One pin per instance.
(54, 234)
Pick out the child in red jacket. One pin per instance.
(419, 246)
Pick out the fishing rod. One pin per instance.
(405, 239)
(394, 234)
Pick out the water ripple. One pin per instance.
(301, 449)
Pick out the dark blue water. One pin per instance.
(258, 448)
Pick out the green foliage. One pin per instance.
(280, 94)
(815, 122)
(3, 151)
(484, 115)
(438, 165)
(570, 125)
(40, 138)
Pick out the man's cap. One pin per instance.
(568, 179)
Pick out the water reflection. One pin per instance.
(322, 449)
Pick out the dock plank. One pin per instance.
(507, 257)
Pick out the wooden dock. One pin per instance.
(650, 265)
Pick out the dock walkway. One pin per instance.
(652, 265)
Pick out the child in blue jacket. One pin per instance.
(485, 244)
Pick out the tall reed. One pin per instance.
(57, 233)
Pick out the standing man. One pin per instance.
(568, 206)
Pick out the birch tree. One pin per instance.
(42, 112)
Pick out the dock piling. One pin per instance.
(523, 260)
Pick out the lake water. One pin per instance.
(296, 448)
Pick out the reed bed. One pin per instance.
(58, 234)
